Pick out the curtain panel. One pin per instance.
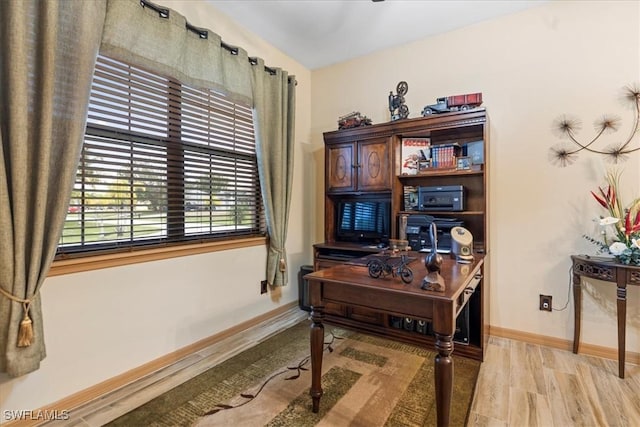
(274, 123)
(48, 50)
(165, 43)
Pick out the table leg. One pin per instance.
(577, 303)
(622, 321)
(317, 343)
(443, 378)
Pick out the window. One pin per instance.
(161, 162)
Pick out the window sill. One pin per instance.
(76, 265)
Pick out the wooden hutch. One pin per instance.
(366, 162)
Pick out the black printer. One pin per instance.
(442, 198)
(418, 232)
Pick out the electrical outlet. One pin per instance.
(545, 302)
(263, 287)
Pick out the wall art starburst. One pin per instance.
(566, 152)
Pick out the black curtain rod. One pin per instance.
(162, 11)
(203, 34)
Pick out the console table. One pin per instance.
(351, 284)
(609, 271)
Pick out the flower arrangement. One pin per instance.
(624, 243)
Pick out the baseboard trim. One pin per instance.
(588, 349)
(101, 389)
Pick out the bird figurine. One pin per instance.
(433, 281)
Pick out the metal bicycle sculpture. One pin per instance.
(391, 265)
(396, 102)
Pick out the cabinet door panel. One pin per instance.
(374, 165)
(340, 163)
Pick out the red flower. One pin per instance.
(601, 201)
(631, 227)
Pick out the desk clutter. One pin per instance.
(420, 156)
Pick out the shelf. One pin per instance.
(443, 172)
(347, 247)
(330, 254)
(438, 213)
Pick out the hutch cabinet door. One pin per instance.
(374, 165)
(340, 166)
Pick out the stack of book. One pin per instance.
(444, 156)
(410, 198)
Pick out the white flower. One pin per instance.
(608, 220)
(636, 243)
(617, 248)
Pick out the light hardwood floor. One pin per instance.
(520, 385)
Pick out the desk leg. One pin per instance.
(443, 378)
(317, 343)
(622, 321)
(577, 303)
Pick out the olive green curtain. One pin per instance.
(48, 55)
(162, 42)
(274, 124)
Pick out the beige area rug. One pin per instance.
(367, 381)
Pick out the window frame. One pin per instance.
(67, 265)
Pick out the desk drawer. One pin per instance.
(364, 315)
(335, 309)
(376, 300)
(469, 290)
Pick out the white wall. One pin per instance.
(532, 67)
(102, 323)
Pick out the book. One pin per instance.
(413, 150)
(475, 150)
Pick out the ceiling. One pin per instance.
(318, 33)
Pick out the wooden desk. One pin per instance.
(621, 275)
(351, 284)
